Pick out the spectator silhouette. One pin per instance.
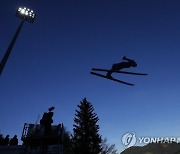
(5, 141)
(14, 141)
(1, 139)
(47, 120)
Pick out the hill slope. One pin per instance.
(155, 148)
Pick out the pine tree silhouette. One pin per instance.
(86, 138)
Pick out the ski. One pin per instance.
(123, 72)
(111, 78)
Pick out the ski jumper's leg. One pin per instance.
(115, 67)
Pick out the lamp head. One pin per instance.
(26, 13)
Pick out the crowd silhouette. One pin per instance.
(7, 141)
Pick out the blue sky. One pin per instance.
(51, 61)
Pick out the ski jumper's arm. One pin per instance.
(125, 58)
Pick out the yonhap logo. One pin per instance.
(129, 139)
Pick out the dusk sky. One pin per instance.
(52, 58)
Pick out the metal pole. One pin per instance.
(8, 51)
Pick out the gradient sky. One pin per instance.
(51, 61)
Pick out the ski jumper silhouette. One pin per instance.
(119, 66)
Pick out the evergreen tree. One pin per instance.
(86, 138)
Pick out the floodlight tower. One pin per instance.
(26, 15)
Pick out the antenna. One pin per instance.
(36, 123)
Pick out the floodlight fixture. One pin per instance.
(26, 14)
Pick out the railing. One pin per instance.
(33, 135)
